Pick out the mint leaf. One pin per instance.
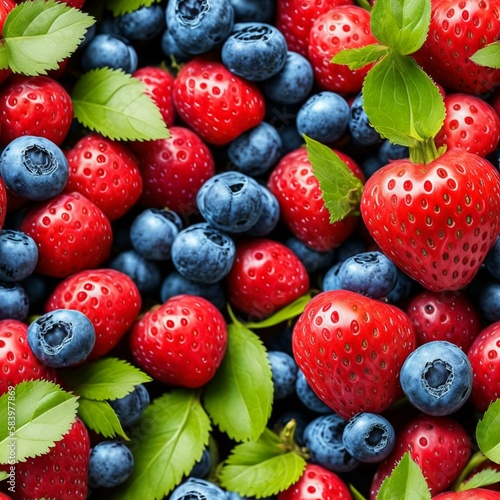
(240, 395)
(104, 379)
(38, 35)
(119, 7)
(114, 104)
(359, 57)
(406, 482)
(488, 55)
(487, 432)
(401, 24)
(261, 468)
(482, 478)
(36, 415)
(341, 189)
(100, 417)
(166, 443)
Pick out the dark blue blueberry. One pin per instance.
(492, 261)
(308, 397)
(197, 489)
(170, 48)
(402, 289)
(269, 217)
(368, 273)
(388, 152)
(112, 51)
(301, 421)
(350, 247)
(202, 467)
(323, 117)
(198, 26)
(63, 337)
(230, 201)
(359, 125)
(312, 259)
(323, 439)
(110, 464)
(293, 82)
(14, 301)
(34, 168)
(18, 255)
(488, 301)
(284, 370)
(255, 151)
(131, 407)
(290, 138)
(370, 164)
(331, 280)
(202, 253)
(254, 51)
(368, 437)
(437, 378)
(142, 24)
(261, 11)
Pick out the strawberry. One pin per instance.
(109, 298)
(350, 349)
(438, 221)
(16, 358)
(265, 276)
(61, 473)
(106, 172)
(458, 29)
(5, 7)
(71, 233)
(302, 207)
(3, 203)
(475, 493)
(34, 105)
(215, 103)
(181, 342)
(343, 27)
(439, 445)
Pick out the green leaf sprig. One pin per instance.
(120, 7)
(488, 55)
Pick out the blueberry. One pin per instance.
(402, 289)
(437, 378)
(197, 489)
(323, 117)
(290, 137)
(308, 397)
(368, 437)
(18, 255)
(370, 164)
(34, 168)
(253, 10)
(313, 260)
(141, 24)
(359, 125)
(131, 407)
(112, 51)
(269, 217)
(14, 301)
(110, 464)
(63, 337)
(331, 280)
(301, 421)
(488, 301)
(202, 467)
(388, 152)
(350, 247)
(202, 253)
(171, 49)
(323, 439)
(254, 51)
(284, 371)
(492, 260)
(230, 201)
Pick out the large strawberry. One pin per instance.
(437, 221)
(350, 349)
(3, 203)
(475, 493)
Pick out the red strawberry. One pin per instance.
(3, 203)
(265, 276)
(109, 298)
(61, 473)
(450, 316)
(174, 169)
(181, 342)
(437, 221)
(343, 27)
(350, 349)
(484, 357)
(471, 124)
(301, 202)
(106, 172)
(16, 358)
(5, 7)
(439, 445)
(473, 493)
(458, 29)
(215, 103)
(317, 482)
(71, 232)
(34, 105)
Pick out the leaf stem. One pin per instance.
(424, 152)
(475, 461)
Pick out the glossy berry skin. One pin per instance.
(365, 375)
(109, 51)
(266, 276)
(331, 280)
(308, 397)
(197, 489)
(181, 342)
(312, 259)
(476, 493)
(107, 297)
(131, 407)
(443, 217)
(317, 482)
(202, 467)
(492, 261)
(284, 370)
(253, 10)
(270, 214)
(359, 124)
(142, 24)
(14, 301)
(488, 302)
(215, 103)
(110, 464)
(18, 255)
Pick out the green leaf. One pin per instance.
(488, 56)
(401, 24)
(3, 475)
(360, 57)
(104, 379)
(101, 418)
(482, 478)
(356, 495)
(114, 104)
(38, 35)
(406, 482)
(261, 468)
(166, 443)
(402, 102)
(487, 433)
(119, 7)
(341, 189)
(38, 414)
(239, 397)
